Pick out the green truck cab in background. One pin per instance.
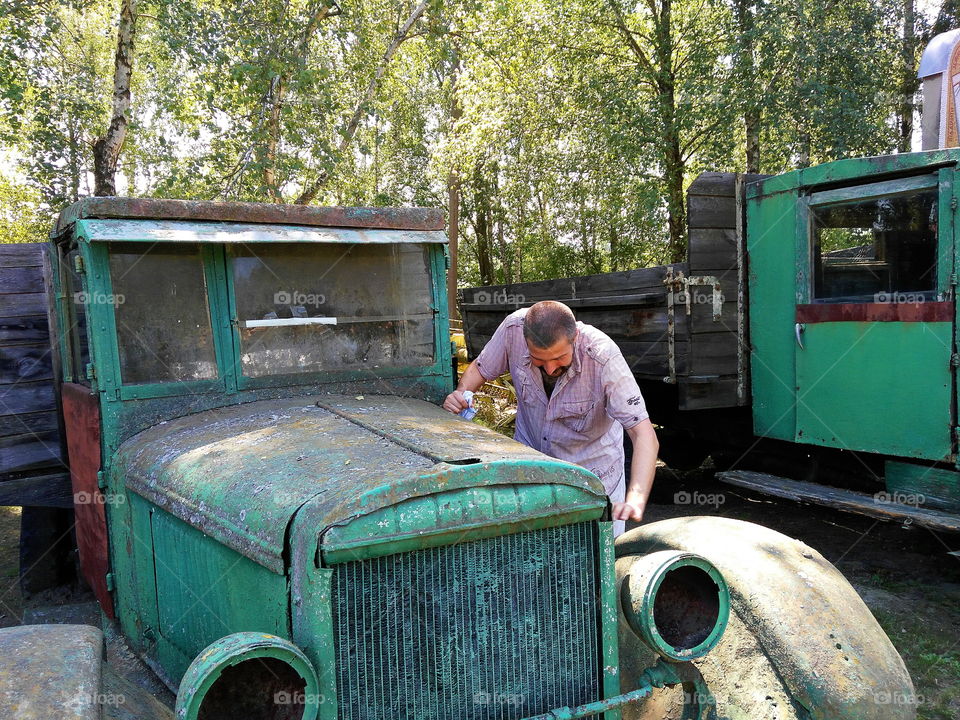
(284, 524)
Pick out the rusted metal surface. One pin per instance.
(796, 621)
(240, 474)
(876, 312)
(81, 419)
(150, 208)
(50, 671)
(183, 231)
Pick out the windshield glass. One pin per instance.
(311, 308)
(163, 318)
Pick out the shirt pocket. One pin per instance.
(576, 416)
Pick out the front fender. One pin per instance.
(800, 643)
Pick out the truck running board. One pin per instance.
(883, 505)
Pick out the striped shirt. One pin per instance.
(583, 419)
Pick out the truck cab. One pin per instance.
(270, 502)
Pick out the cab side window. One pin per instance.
(876, 249)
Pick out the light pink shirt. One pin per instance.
(593, 401)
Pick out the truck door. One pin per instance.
(875, 317)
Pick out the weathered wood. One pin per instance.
(23, 305)
(23, 423)
(27, 397)
(19, 254)
(25, 363)
(49, 490)
(717, 393)
(618, 283)
(714, 183)
(19, 453)
(17, 280)
(24, 331)
(712, 248)
(846, 500)
(705, 211)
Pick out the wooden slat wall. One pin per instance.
(29, 425)
(714, 238)
(633, 312)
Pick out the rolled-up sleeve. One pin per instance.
(625, 404)
(493, 360)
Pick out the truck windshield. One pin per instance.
(319, 307)
(163, 318)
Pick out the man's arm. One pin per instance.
(642, 469)
(471, 380)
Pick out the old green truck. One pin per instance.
(284, 524)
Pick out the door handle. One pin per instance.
(798, 329)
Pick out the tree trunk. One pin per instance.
(106, 148)
(674, 166)
(746, 61)
(909, 82)
(482, 208)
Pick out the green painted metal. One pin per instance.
(215, 664)
(922, 485)
(641, 609)
(854, 170)
(899, 186)
(458, 516)
(854, 393)
(186, 231)
(771, 230)
(609, 617)
(658, 676)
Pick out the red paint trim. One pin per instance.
(81, 419)
(876, 312)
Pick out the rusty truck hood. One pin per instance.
(241, 473)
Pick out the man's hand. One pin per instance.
(471, 380)
(455, 402)
(631, 509)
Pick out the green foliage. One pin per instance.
(568, 130)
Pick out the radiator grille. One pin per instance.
(495, 629)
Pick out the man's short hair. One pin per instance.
(547, 322)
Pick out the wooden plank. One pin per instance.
(19, 453)
(714, 183)
(618, 283)
(618, 301)
(714, 354)
(25, 363)
(17, 280)
(27, 397)
(839, 499)
(719, 393)
(28, 423)
(23, 304)
(712, 248)
(17, 255)
(24, 331)
(48, 490)
(704, 211)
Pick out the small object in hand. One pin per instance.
(469, 412)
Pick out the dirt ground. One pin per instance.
(907, 575)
